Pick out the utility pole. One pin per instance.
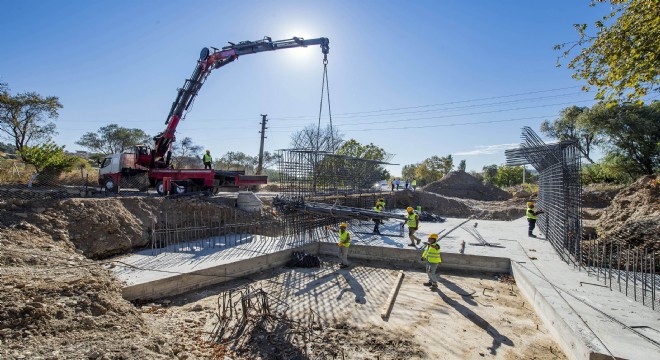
(524, 174)
(260, 167)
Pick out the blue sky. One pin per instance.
(418, 78)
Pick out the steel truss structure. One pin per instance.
(560, 191)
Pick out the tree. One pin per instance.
(25, 117)
(461, 165)
(631, 132)
(236, 160)
(622, 58)
(47, 157)
(271, 159)
(371, 152)
(571, 126)
(490, 174)
(410, 171)
(509, 176)
(7, 148)
(113, 139)
(185, 154)
(429, 170)
(314, 138)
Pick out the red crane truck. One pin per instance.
(152, 167)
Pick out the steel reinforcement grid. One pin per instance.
(560, 191)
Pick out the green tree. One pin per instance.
(7, 148)
(622, 58)
(113, 139)
(236, 160)
(371, 152)
(571, 126)
(185, 154)
(25, 118)
(429, 170)
(461, 165)
(509, 176)
(631, 132)
(410, 171)
(48, 157)
(490, 174)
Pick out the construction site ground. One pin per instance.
(593, 317)
(459, 320)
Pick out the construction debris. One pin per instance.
(287, 206)
(303, 260)
(387, 309)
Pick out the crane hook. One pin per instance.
(325, 59)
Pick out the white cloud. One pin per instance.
(487, 149)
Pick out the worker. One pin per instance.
(207, 159)
(405, 185)
(413, 225)
(414, 184)
(381, 201)
(398, 181)
(531, 218)
(377, 221)
(432, 257)
(344, 243)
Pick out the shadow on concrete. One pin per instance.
(498, 339)
(467, 296)
(355, 287)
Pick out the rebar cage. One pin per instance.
(560, 190)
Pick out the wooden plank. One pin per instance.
(387, 309)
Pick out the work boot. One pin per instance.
(428, 283)
(434, 286)
(532, 235)
(418, 241)
(411, 244)
(343, 266)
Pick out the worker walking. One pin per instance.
(531, 218)
(398, 181)
(344, 243)
(414, 184)
(377, 221)
(432, 257)
(207, 160)
(381, 201)
(413, 225)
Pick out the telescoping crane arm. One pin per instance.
(209, 60)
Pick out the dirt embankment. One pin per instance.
(56, 304)
(460, 184)
(634, 215)
(456, 207)
(102, 227)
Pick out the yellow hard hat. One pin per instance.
(343, 225)
(409, 209)
(530, 203)
(433, 236)
(381, 199)
(208, 150)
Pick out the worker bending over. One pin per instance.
(531, 218)
(344, 243)
(413, 225)
(432, 257)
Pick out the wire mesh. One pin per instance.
(560, 191)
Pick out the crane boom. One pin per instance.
(209, 60)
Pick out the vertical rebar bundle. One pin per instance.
(560, 191)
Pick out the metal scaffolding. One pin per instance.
(560, 191)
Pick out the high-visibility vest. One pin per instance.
(382, 204)
(432, 255)
(414, 183)
(344, 238)
(378, 207)
(530, 214)
(412, 220)
(207, 158)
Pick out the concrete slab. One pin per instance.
(588, 320)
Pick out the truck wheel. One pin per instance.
(179, 189)
(110, 185)
(160, 189)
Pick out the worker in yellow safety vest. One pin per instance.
(344, 243)
(377, 221)
(432, 257)
(413, 225)
(381, 201)
(414, 184)
(531, 218)
(207, 159)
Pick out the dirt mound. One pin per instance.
(454, 207)
(56, 304)
(102, 227)
(599, 195)
(634, 215)
(463, 185)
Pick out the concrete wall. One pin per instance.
(412, 257)
(183, 283)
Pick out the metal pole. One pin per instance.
(260, 167)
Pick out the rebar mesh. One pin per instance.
(560, 191)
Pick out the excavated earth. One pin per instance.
(634, 215)
(463, 185)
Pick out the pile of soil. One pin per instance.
(56, 304)
(460, 184)
(634, 215)
(455, 207)
(102, 227)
